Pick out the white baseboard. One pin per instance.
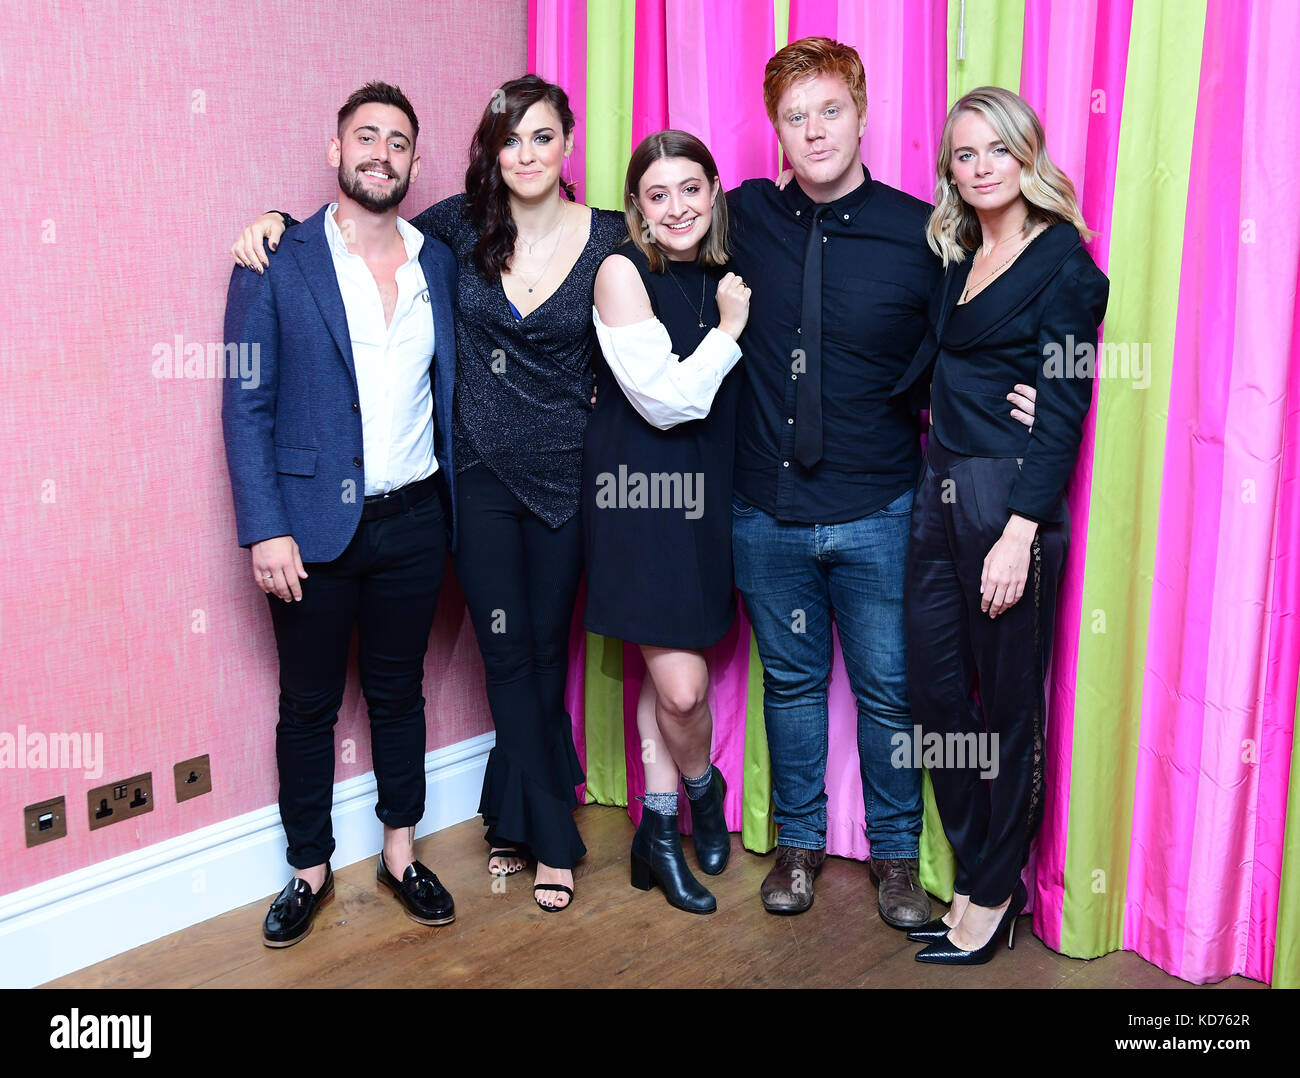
(73, 921)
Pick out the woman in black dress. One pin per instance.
(524, 344)
(989, 523)
(657, 476)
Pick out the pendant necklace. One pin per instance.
(699, 311)
(549, 260)
(544, 235)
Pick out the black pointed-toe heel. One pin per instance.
(930, 931)
(709, 826)
(943, 952)
(657, 859)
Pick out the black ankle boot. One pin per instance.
(712, 839)
(657, 858)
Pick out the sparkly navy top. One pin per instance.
(523, 385)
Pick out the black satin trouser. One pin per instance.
(986, 762)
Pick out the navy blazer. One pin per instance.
(1036, 325)
(293, 440)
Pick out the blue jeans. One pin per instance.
(794, 578)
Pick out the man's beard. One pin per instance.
(352, 185)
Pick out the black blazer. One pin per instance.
(1037, 325)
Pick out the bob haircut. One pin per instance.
(954, 229)
(713, 249)
(813, 56)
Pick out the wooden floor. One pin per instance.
(613, 935)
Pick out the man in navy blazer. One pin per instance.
(340, 457)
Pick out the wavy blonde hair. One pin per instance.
(954, 229)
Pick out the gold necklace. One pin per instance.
(1017, 232)
(1019, 250)
(544, 235)
(548, 261)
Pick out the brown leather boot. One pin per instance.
(789, 886)
(903, 902)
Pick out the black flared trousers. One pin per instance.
(975, 682)
(520, 579)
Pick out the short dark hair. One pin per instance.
(379, 93)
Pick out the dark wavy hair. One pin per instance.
(487, 199)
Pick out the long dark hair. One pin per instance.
(487, 200)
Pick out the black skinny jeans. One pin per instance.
(385, 583)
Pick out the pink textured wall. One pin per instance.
(144, 134)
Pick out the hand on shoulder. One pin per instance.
(248, 249)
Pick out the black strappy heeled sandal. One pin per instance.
(517, 853)
(552, 887)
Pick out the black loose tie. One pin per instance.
(808, 390)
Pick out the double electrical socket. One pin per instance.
(120, 800)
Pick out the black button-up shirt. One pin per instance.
(877, 275)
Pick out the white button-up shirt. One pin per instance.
(392, 362)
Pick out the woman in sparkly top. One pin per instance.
(524, 342)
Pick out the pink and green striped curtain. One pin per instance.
(1172, 698)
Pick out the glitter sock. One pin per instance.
(664, 804)
(697, 788)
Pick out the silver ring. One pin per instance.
(267, 576)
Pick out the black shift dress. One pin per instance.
(661, 576)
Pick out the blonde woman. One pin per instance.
(1020, 301)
